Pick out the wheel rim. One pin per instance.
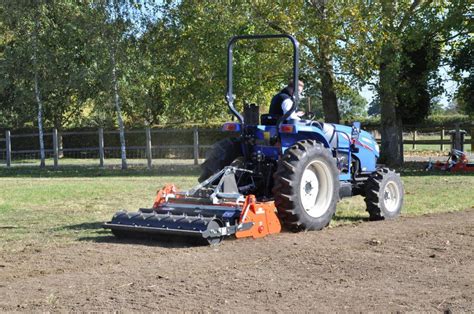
(391, 196)
(316, 188)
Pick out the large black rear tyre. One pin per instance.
(222, 154)
(384, 194)
(306, 188)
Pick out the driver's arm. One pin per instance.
(286, 106)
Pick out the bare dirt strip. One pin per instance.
(409, 264)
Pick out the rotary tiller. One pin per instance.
(210, 211)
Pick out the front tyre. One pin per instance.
(306, 187)
(384, 194)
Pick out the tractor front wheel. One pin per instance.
(384, 194)
(306, 188)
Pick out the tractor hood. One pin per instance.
(365, 140)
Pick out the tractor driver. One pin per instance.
(282, 103)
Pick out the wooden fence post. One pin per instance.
(101, 147)
(148, 148)
(8, 143)
(441, 147)
(457, 137)
(55, 147)
(414, 139)
(472, 140)
(196, 146)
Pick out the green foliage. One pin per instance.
(171, 61)
(351, 104)
(419, 66)
(463, 67)
(65, 66)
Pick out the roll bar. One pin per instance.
(230, 97)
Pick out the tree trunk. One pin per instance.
(391, 129)
(40, 122)
(119, 110)
(60, 143)
(38, 94)
(326, 69)
(328, 93)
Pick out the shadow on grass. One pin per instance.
(170, 241)
(106, 236)
(84, 226)
(88, 171)
(146, 240)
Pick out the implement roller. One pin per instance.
(208, 211)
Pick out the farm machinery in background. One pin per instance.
(278, 171)
(457, 161)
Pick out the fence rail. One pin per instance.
(159, 142)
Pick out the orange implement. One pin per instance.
(167, 190)
(262, 215)
(457, 162)
(463, 165)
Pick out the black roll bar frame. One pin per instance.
(230, 97)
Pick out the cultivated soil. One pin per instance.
(409, 264)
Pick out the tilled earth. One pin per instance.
(408, 264)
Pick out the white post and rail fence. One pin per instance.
(177, 143)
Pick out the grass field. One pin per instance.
(40, 208)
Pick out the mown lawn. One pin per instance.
(40, 208)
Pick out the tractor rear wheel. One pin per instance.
(306, 188)
(222, 154)
(384, 194)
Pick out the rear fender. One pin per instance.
(302, 132)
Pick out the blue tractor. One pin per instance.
(304, 165)
(298, 169)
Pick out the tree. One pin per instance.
(420, 57)
(46, 53)
(351, 104)
(392, 29)
(116, 27)
(463, 68)
(34, 40)
(188, 49)
(315, 24)
(24, 24)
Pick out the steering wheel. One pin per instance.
(309, 117)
